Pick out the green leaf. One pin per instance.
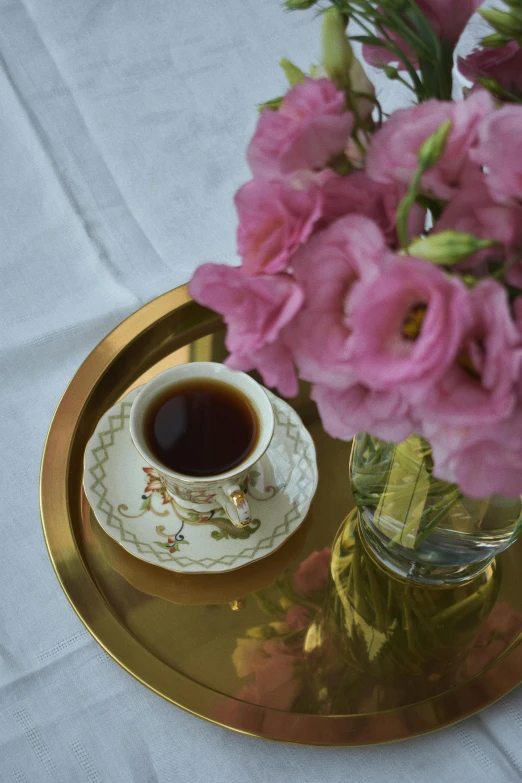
(183, 541)
(425, 31)
(145, 504)
(163, 545)
(272, 104)
(372, 40)
(299, 5)
(253, 477)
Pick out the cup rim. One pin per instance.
(264, 440)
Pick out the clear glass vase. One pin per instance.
(419, 527)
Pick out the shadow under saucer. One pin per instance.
(215, 588)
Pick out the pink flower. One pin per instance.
(275, 363)
(275, 218)
(255, 309)
(482, 460)
(273, 665)
(448, 19)
(499, 150)
(500, 629)
(393, 153)
(478, 388)
(309, 128)
(297, 618)
(327, 267)
(357, 194)
(472, 210)
(503, 64)
(312, 573)
(407, 326)
(345, 412)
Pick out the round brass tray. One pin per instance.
(177, 633)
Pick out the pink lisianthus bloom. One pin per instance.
(503, 64)
(327, 267)
(345, 412)
(256, 309)
(276, 217)
(357, 194)
(478, 388)
(482, 460)
(448, 19)
(274, 362)
(393, 152)
(312, 573)
(297, 618)
(473, 211)
(499, 150)
(273, 665)
(517, 312)
(310, 127)
(407, 326)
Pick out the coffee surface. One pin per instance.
(201, 427)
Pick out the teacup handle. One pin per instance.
(236, 505)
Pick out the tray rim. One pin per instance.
(104, 625)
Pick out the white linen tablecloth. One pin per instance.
(122, 130)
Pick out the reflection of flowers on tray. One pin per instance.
(316, 653)
(498, 632)
(271, 656)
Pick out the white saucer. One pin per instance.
(133, 507)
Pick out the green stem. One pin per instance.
(403, 210)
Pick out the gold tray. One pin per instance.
(176, 633)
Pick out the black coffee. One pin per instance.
(201, 427)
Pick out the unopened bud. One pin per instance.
(447, 247)
(391, 72)
(504, 22)
(299, 5)
(495, 40)
(337, 53)
(492, 85)
(432, 149)
(294, 74)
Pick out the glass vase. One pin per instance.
(420, 528)
(382, 641)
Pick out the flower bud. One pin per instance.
(294, 74)
(447, 247)
(432, 149)
(337, 54)
(391, 72)
(507, 23)
(299, 5)
(495, 40)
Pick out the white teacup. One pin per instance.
(206, 492)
